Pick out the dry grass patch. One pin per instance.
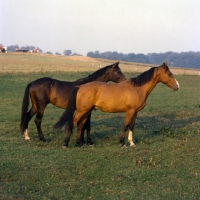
(26, 63)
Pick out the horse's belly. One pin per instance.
(59, 102)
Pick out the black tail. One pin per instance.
(25, 105)
(67, 116)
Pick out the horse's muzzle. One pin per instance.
(175, 86)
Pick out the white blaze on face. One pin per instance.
(26, 135)
(177, 83)
(130, 138)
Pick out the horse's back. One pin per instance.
(104, 96)
(112, 98)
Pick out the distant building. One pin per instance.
(3, 49)
(35, 50)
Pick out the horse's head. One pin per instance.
(166, 77)
(115, 74)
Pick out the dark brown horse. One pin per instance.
(47, 90)
(128, 96)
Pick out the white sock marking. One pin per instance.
(130, 138)
(26, 135)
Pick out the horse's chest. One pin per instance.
(141, 106)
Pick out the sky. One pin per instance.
(125, 26)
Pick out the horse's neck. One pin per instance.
(148, 87)
(82, 81)
(102, 78)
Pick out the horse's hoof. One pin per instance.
(27, 138)
(83, 145)
(43, 140)
(80, 144)
(46, 140)
(90, 143)
(64, 146)
(123, 146)
(132, 145)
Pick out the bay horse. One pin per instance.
(48, 90)
(128, 96)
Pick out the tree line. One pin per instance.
(183, 59)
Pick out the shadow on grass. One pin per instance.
(151, 126)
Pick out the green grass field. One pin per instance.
(164, 165)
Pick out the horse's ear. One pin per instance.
(116, 64)
(164, 65)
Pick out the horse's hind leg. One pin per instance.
(82, 133)
(87, 127)
(80, 125)
(29, 116)
(81, 120)
(38, 121)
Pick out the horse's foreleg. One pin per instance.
(130, 138)
(127, 122)
(122, 138)
(131, 127)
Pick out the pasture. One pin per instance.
(163, 165)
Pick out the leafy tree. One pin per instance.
(58, 53)
(67, 52)
(48, 52)
(184, 59)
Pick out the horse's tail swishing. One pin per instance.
(25, 105)
(67, 116)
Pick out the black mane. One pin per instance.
(100, 72)
(94, 76)
(143, 78)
